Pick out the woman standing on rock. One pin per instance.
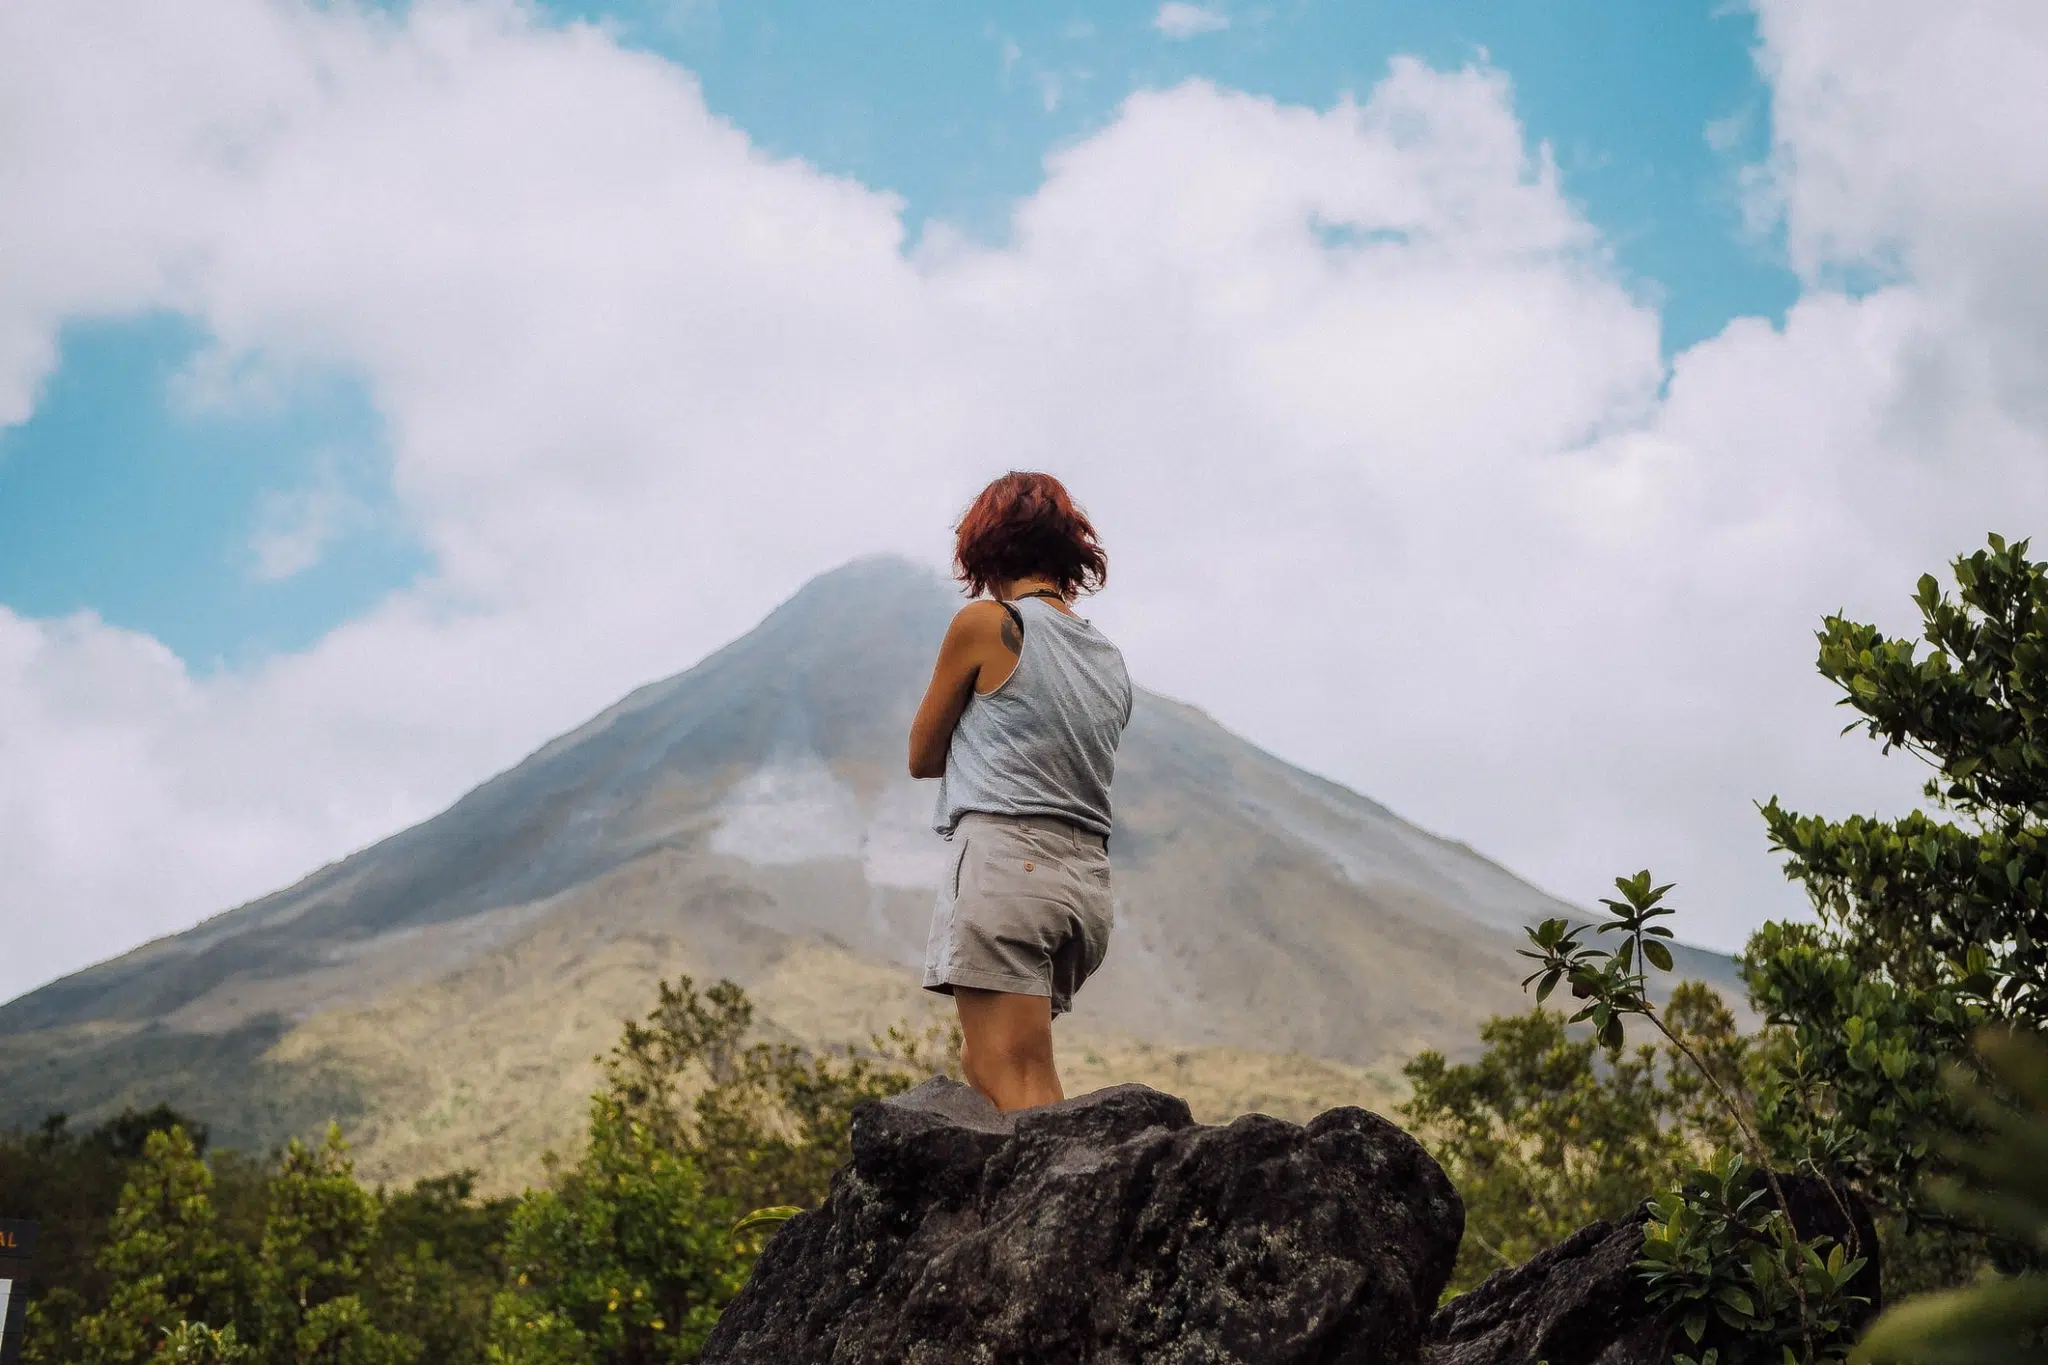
(1020, 726)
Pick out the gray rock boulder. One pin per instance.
(1110, 1229)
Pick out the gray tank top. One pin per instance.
(1043, 743)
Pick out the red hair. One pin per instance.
(1026, 525)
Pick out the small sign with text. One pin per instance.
(17, 1244)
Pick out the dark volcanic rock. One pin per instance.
(1110, 1229)
(1577, 1303)
(1581, 1302)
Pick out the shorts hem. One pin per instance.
(986, 981)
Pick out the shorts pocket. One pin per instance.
(1010, 864)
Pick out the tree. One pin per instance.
(164, 1259)
(1932, 924)
(764, 1123)
(630, 1256)
(233, 1259)
(312, 1266)
(628, 1261)
(70, 1181)
(437, 1262)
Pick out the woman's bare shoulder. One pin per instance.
(984, 624)
(983, 616)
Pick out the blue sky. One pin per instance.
(124, 496)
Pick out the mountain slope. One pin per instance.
(750, 817)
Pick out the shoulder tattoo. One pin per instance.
(1013, 639)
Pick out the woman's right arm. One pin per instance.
(979, 633)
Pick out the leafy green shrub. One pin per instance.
(1740, 1283)
(1549, 1131)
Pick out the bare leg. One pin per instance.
(1006, 1047)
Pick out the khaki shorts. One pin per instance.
(1024, 908)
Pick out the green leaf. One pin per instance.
(1657, 953)
(1736, 1299)
(774, 1214)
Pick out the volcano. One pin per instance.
(442, 992)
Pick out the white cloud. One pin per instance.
(1179, 20)
(295, 527)
(1411, 499)
(1914, 144)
